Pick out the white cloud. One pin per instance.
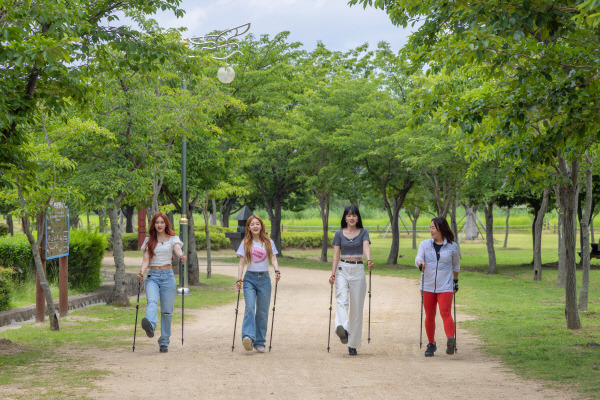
(333, 22)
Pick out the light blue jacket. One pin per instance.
(438, 274)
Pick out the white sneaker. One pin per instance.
(260, 349)
(247, 342)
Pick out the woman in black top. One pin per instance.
(348, 274)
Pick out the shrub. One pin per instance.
(16, 252)
(217, 237)
(3, 229)
(86, 249)
(130, 241)
(7, 283)
(304, 240)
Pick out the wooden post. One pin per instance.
(141, 227)
(63, 286)
(40, 299)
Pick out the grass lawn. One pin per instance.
(25, 365)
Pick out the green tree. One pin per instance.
(46, 54)
(377, 138)
(538, 60)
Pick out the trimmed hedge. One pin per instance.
(15, 252)
(86, 249)
(130, 241)
(217, 237)
(304, 240)
(3, 229)
(7, 283)
(85, 259)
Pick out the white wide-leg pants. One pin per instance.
(350, 291)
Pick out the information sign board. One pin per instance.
(57, 231)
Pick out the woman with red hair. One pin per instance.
(160, 284)
(257, 249)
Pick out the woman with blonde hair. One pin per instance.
(257, 249)
(160, 284)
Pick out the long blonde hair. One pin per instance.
(263, 238)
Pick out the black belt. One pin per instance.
(351, 262)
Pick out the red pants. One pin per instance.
(445, 302)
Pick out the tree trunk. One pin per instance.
(9, 222)
(192, 250)
(585, 251)
(537, 232)
(536, 211)
(323, 199)
(568, 202)
(489, 235)
(561, 277)
(395, 249)
(207, 233)
(453, 221)
(128, 212)
(35, 249)
(101, 220)
(157, 183)
(506, 233)
(274, 211)
(118, 296)
(213, 214)
(226, 207)
(414, 226)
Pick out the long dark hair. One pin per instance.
(351, 210)
(154, 234)
(442, 226)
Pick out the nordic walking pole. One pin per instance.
(421, 335)
(455, 349)
(273, 318)
(182, 271)
(369, 336)
(330, 303)
(137, 307)
(235, 324)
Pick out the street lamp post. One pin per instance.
(222, 40)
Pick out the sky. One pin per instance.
(339, 26)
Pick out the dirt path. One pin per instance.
(391, 367)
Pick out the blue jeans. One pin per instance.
(257, 292)
(161, 284)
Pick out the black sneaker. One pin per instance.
(451, 345)
(147, 326)
(431, 348)
(352, 351)
(164, 349)
(342, 333)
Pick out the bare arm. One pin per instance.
(275, 267)
(241, 263)
(336, 259)
(367, 252)
(144, 267)
(179, 252)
